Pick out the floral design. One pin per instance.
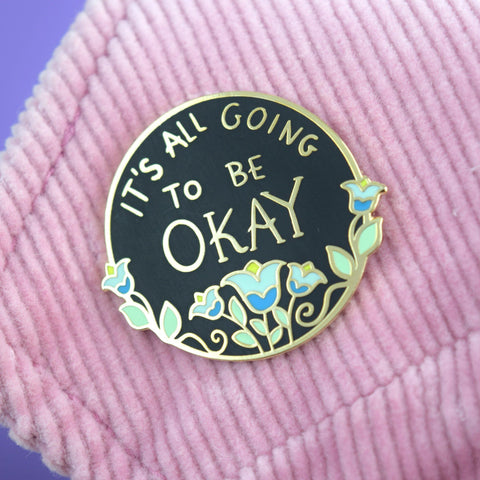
(278, 322)
(363, 195)
(208, 304)
(303, 279)
(257, 284)
(119, 280)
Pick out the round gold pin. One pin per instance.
(237, 226)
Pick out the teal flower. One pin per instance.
(119, 280)
(208, 304)
(303, 279)
(257, 284)
(363, 195)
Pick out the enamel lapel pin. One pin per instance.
(238, 225)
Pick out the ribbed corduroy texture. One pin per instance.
(391, 389)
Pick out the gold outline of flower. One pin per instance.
(257, 284)
(119, 280)
(305, 278)
(208, 304)
(364, 195)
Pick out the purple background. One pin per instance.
(29, 32)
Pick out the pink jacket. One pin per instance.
(391, 389)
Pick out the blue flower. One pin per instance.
(257, 284)
(363, 195)
(208, 304)
(302, 279)
(119, 280)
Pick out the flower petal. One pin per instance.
(299, 289)
(268, 276)
(125, 288)
(113, 281)
(246, 282)
(362, 206)
(243, 282)
(211, 295)
(313, 277)
(200, 309)
(353, 188)
(372, 191)
(297, 273)
(263, 303)
(215, 310)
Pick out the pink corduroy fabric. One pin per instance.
(391, 389)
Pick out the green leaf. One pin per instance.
(258, 326)
(136, 315)
(340, 260)
(237, 311)
(170, 320)
(281, 316)
(369, 236)
(276, 335)
(244, 339)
